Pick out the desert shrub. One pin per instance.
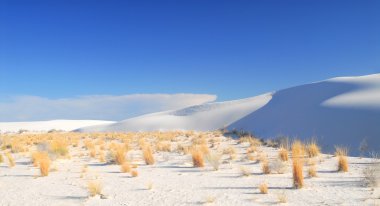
(214, 160)
(371, 173)
(263, 187)
(59, 147)
(265, 166)
(148, 155)
(119, 155)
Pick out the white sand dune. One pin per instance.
(337, 111)
(206, 117)
(44, 126)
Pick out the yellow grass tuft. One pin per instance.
(125, 167)
(44, 163)
(59, 146)
(341, 153)
(1, 158)
(265, 166)
(312, 149)
(244, 171)
(119, 155)
(297, 173)
(197, 157)
(148, 155)
(263, 187)
(94, 188)
(134, 173)
(283, 154)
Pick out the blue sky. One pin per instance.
(233, 49)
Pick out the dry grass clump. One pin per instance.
(59, 146)
(263, 187)
(119, 155)
(297, 155)
(94, 188)
(1, 158)
(197, 157)
(341, 153)
(163, 146)
(231, 151)
(265, 166)
(134, 173)
(312, 171)
(245, 172)
(102, 157)
(214, 160)
(282, 198)
(125, 167)
(44, 163)
(148, 155)
(11, 161)
(283, 154)
(313, 149)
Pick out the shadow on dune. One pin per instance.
(297, 112)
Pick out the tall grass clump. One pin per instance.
(341, 153)
(283, 154)
(44, 163)
(119, 155)
(197, 157)
(59, 147)
(125, 167)
(313, 149)
(297, 157)
(1, 158)
(148, 155)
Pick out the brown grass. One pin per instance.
(197, 157)
(119, 155)
(298, 173)
(341, 153)
(283, 154)
(125, 167)
(1, 158)
(263, 187)
(94, 188)
(265, 166)
(313, 149)
(44, 163)
(148, 155)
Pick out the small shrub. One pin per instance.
(119, 155)
(94, 188)
(263, 187)
(297, 173)
(371, 173)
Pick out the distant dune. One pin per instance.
(44, 126)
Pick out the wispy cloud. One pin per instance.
(102, 107)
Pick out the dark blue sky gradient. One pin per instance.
(234, 49)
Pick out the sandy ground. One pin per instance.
(174, 181)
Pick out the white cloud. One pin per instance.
(102, 107)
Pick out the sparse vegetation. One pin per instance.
(214, 160)
(341, 153)
(297, 157)
(263, 187)
(197, 157)
(148, 155)
(245, 172)
(11, 161)
(94, 188)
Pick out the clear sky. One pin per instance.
(233, 49)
